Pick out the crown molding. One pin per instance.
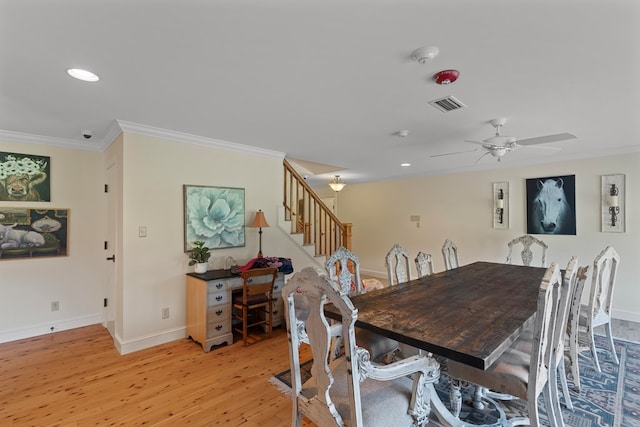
(49, 140)
(195, 139)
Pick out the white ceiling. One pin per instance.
(328, 81)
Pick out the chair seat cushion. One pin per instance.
(384, 403)
(377, 345)
(509, 374)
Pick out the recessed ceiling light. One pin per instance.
(84, 75)
(405, 165)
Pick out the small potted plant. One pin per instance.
(199, 257)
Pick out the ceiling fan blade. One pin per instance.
(539, 147)
(477, 142)
(480, 158)
(456, 152)
(546, 139)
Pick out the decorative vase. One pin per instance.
(201, 267)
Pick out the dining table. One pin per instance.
(470, 314)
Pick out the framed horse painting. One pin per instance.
(551, 205)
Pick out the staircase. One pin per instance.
(308, 221)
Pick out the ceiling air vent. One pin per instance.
(447, 104)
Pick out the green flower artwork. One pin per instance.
(214, 215)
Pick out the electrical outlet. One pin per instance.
(165, 313)
(55, 305)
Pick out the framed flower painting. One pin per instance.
(214, 215)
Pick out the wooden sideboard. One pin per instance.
(209, 306)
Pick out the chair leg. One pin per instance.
(594, 353)
(565, 388)
(573, 360)
(245, 320)
(612, 348)
(270, 318)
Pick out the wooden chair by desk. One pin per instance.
(257, 295)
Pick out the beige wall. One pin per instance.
(29, 286)
(150, 271)
(459, 207)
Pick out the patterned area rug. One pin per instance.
(610, 398)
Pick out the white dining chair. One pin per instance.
(598, 312)
(344, 269)
(351, 390)
(398, 267)
(450, 255)
(572, 325)
(526, 255)
(424, 264)
(521, 374)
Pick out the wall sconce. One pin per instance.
(337, 184)
(501, 205)
(259, 221)
(612, 203)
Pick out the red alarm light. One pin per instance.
(446, 77)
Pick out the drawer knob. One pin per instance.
(218, 327)
(219, 312)
(219, 298)
(219, 285)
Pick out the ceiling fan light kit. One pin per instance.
(499, 145)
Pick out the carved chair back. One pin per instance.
(424, 264)
(572, 323)
(344, 267)
(450, 254)
(325, 399)
(598, 312)
(527, 254)
(398, 267)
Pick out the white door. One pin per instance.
(109, 311)
(329, 202)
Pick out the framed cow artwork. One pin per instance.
(33, 233)
(24, 178)
(551, 205)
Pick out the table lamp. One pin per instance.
(259, 221)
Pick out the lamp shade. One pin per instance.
(259, 220)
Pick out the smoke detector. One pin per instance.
(425, 54)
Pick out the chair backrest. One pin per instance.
(569, 281)
(553, 295)
(258, 281)
(450, 254)
(315, 291)
(398, 267)
(527, 254)
(340, 266)
(603, 280)
(574, 308)
(424, 264)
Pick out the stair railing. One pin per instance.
(310, 216)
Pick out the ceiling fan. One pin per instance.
(499, 145)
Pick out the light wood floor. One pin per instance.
(77, 378)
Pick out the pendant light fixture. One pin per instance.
(337, 184)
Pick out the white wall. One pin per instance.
(459, 207)
(28, 286)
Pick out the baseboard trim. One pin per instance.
(136, 344)
(49, 328)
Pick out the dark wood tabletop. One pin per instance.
(470, 314)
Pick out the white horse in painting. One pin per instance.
(551, 212)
